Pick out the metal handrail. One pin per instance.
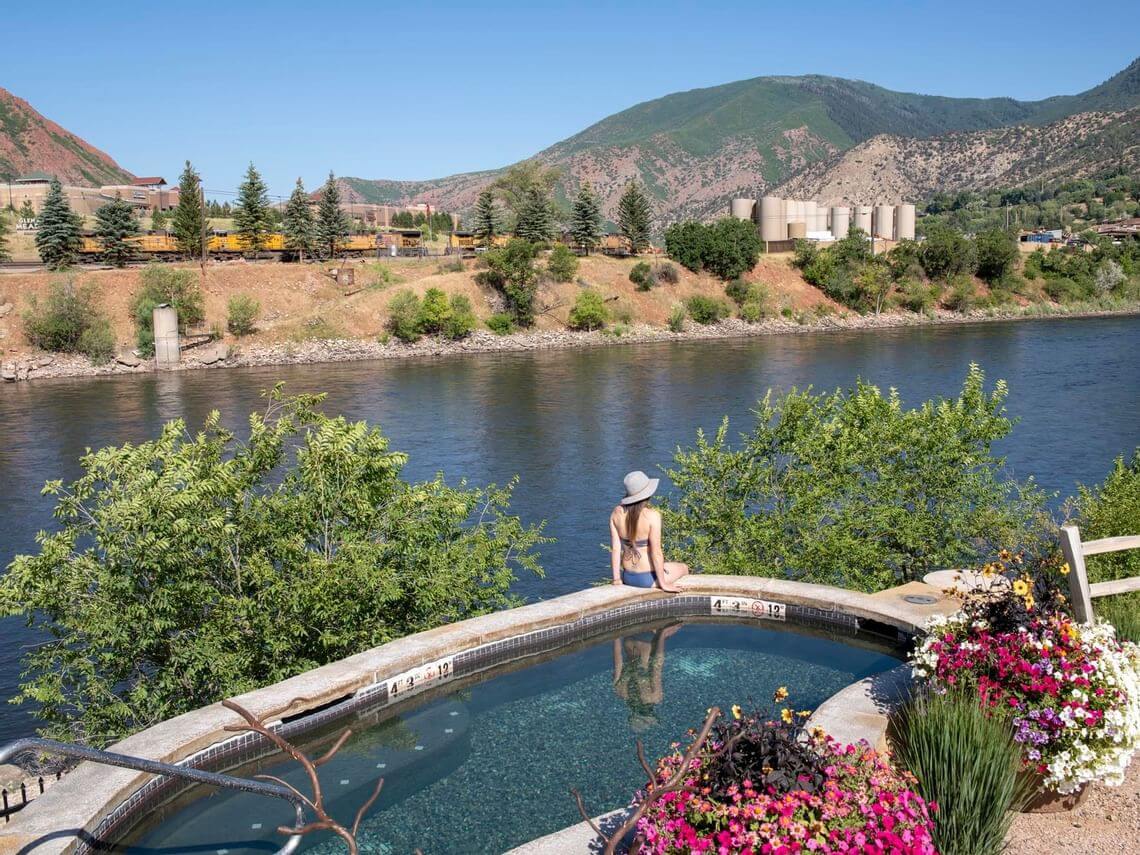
(198, 776)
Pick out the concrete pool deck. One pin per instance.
(69, 814)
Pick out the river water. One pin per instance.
(571, 423)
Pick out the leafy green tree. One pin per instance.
(996, 253)
(332, 223)
(586, 218)
(520, 182)
(874, 284)
(174, 286)
(487, 221)
(535, 220)
(115, 223)
(687, 243)
(298, 226)
(189, 220)
(852, 489)
(853, 250)
(252, 218)
(946, 253)
(27, 212)
(195, 566)
(58, 237)
(511, 272)
(733, 248)
(159, 220)
(634, 216)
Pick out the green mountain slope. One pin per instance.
(694, 150)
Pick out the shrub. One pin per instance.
(642, 276)
(57, 324)
(917, 296)
(241, 315)
(461, 321)
(677, 319)
(737, 290)
(404, 316)
(432, 313)
(1123, 612)
(733, 248)
(752, 312)
(453, 265)
(562, 264)
(622, 312)
(97, 342)
(967, 763)
(1111, 509)
(589, 311)
(850, 488)
(996, 254)
(946, 252)
(687, 244)
(1109, 277)
(501, 323)
(706, 310)
(175, 286)
(1062, 289)
(668, 273)
(296, 546)
(962, 296)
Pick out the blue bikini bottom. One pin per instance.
(638, 580)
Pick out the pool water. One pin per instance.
(486, 767)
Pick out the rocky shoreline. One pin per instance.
(314, 351)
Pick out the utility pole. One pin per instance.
(202, 248)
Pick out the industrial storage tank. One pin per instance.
(840, 221)
(167, 350)
(773, 218)
(797, 230)
(742, 208)
(904, 222)
(811, 215)
(883, 222)
(862, 218)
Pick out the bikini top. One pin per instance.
(637, 543)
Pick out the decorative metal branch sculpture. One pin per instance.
(315, 802)
(674, 784)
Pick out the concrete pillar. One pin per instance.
(167, 351)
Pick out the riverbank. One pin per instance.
(317, 351)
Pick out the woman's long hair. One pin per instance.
(632, 515)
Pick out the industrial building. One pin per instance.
(782, 220)
(146, 194)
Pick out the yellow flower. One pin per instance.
(736, 711)
(1065, 569)
(804, 713)
(1021, 587)
(1004, 555)
(988, 570)
(1029, 601)
(781, 693)
(786, 715)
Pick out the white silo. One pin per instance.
(742, 208)
(904, 222)
(862, 218)
(811, 215)
(773, 218)
(883, 222)
(796, 230)
(840, 221)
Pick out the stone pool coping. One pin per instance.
(72, 809)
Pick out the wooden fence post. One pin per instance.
(1079, 591)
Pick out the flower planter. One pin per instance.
(1046, 800)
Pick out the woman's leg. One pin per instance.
(672, 572)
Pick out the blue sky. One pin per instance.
(420, 90)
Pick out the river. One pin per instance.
(571, 423)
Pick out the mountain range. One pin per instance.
(820, 137)
(31, 143)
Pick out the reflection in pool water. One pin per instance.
(488, 766)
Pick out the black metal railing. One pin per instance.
(199, 776)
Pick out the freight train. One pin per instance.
(163, 246)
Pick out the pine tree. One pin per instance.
(332, 223)
(27, 212)
(486, 223)
(5, 255)
(298, 222)
(586, 218)
(535, 219)
(114, 223)
(58, 238)
(633, 216)
(189, 220)
(159, 220)
(251, 219)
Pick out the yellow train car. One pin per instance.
(461, 243)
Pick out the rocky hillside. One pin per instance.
(896, 168)
(30, 142)
(695, 150)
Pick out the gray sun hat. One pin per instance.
(639, 486)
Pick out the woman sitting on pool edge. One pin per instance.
(636, 557)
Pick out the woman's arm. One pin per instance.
(615, 551)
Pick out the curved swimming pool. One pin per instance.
(486, 763)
